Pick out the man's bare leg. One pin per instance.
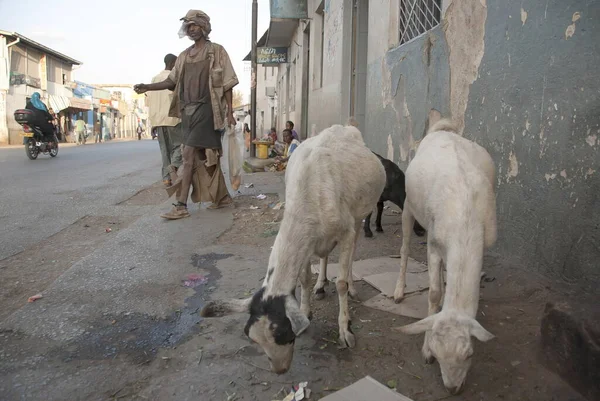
(187, 172)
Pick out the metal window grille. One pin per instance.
(418, 17)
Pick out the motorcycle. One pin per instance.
(34, 139)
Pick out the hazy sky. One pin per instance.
(125, 41)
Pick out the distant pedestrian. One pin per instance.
(80, 132)
(139, 131)
(167, 129)
(202, 80)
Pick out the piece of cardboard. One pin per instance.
(414, 305)
(367, 267)
(386, 282)
(366, 389)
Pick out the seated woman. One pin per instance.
(43, 119)
(290, 145)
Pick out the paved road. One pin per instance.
(43, 196)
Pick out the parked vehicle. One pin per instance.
(34, 139)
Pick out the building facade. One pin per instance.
(27, 67)
(266, 94)
(517, 77)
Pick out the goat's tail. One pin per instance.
(352, 121)
(445, 124)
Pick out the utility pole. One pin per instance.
(253, 80)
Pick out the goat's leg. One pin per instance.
(305, 291)
(434, 262)
(346, 254)
(351, 289)
(367, 227)
(407, 225)
(322, 280)
(378, 227)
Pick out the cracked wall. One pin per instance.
(521, 78)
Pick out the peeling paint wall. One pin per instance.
(521, 78)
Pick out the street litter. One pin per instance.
(108, 230)
(254, 207)
(278, 205)
(261, 197)
(249, 185)
(297, 393)
(194, 280)
(35, 298)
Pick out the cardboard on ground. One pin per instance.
(366, 389)
(367, 267)
(414, 305)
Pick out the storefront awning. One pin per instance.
(281, 32)
(83, 104)
(58, 103)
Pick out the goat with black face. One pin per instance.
(326, 200)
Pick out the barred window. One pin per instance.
(418, 17)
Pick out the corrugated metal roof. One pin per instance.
(41, 47)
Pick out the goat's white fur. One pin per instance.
(332, 183)
(450, 192)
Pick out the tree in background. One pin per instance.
(238, 98)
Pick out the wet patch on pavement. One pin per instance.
(137, 336)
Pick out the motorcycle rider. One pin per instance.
(42, 117)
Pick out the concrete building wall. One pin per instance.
(521, 80)
(266, 107)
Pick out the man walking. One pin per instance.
(168, 129)
(202, 80)
(80, 132)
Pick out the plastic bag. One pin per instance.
(235, 159)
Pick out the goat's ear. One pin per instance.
(421, 326)
(298, 319)
(225, 307)
(477, 331)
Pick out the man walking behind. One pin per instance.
(80, 132)
(202, 79)
(168, 129)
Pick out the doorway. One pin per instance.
(358, 80)
(305, 75)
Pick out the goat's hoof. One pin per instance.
(379, 229)
(347, 340)
(398, 299)
(319, 293)
(368, 234)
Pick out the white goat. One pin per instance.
(333, 181)
(450, 191)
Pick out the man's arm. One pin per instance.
(158, 86)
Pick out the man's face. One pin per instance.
(287, 137)
(194, 32)
(288, 126)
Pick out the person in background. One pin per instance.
(139, 130)
(247, 136)
(203, 79)
(168, 129)
(291, 144)
(290, 126)
(273, 135)
(43, 119)
(80, 131)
